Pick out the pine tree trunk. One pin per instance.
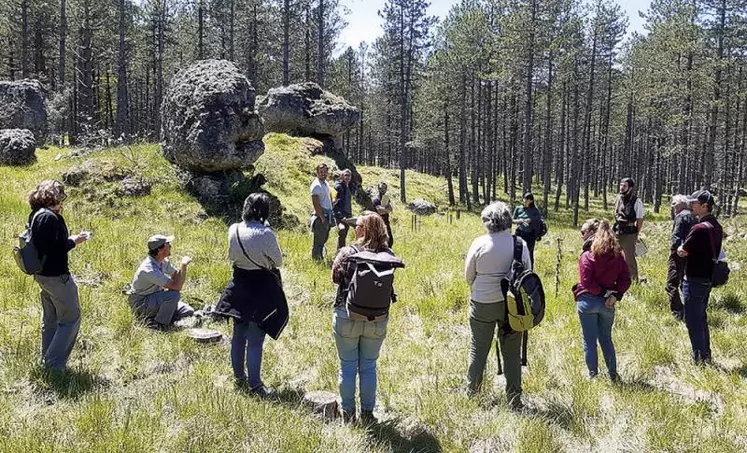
(122, 129)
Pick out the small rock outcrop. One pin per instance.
(209, 121)
(421, 207)
(17, 147)
(23, 105)
(306, 110)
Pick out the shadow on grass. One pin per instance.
(554, 412)
(391, 435)
(68, 384)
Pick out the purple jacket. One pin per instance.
(599, 274)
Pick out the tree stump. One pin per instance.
(322, 403)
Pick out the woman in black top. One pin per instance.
(529, 221)
(59, 293)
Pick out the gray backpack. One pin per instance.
(371, 289)
(25, 253)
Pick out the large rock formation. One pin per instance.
(305, 110)
(17, 147)
(209, 121)
(23, 106)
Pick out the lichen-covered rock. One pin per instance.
(306, 110)
(133, 187)
(17, 146)
(422, 207)
(23, 105)
(95, 172)
(209, 120)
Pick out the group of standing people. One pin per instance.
(255, 300)
(329, 213)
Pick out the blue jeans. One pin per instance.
(358, 345)
(247, 342)
(596, 326)
(696, 293)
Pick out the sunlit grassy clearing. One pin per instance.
(140, 391)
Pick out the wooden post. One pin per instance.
(558, 261)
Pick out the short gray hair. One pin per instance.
(496, 217)
(679, 199)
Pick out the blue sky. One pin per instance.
(365, 25)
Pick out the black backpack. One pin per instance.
(371, 288)
(525, 298)
(542, 230)
(25, 253)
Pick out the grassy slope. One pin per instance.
(135, 390)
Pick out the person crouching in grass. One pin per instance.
(254, 298)
(603, 279)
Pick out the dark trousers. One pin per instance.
(342, 234)
(675, 272)
(530, 239)
(389, 232)
(696, 293)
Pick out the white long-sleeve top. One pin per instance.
(489, 261)
(260, 244)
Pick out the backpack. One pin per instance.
(25, 253)
(371, 288)
(542, 230)
(525, 299)
(721, 271)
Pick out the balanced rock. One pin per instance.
(306, 110)
(209, 120)
(23, 106)
(422, 207)
(17, 147)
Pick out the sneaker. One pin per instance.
(367, 418)
(592, 375)
(262, 392)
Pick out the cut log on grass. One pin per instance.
(322, 403)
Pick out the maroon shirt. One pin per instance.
(703, 245)
(598, 274)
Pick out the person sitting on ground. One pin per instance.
(254, 297)
(529, 222)
(343, 205)
(588, 230)
(155, 293)
(489, 261)
(604, 278)
(683, 222)
(383, 204)
(322, 218)
(358, 339)
(59, 293)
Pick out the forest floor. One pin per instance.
(132, 389)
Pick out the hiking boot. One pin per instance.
(592, 375)
(615, 378)
(262, 392)
(515, 404)
(367, 418)
(348, 417)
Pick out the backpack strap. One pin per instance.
(518, 264)
(238, 238)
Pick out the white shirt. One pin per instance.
(260, 244)
(321, 190)
(488, 262)
(638, 207)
